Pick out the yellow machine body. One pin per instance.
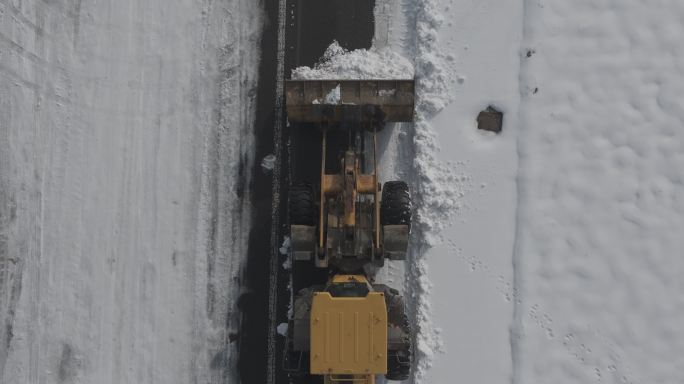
(348, 335)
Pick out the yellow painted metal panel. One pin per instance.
(348, 334)
(366, 184)
(332, 184)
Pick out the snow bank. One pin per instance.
(437, 186)
(339, 63)
(466, 59)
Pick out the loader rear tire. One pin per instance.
(395, 208)
(302, 204)
(398, 365)
(398, 360)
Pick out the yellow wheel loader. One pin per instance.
(341, 220)
(346, 222)
(350, 331)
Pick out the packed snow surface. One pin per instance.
(123, 129)
(599, 260)
(339, 63)
(333, 97)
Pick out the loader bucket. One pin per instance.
(348, 334)
(364, 101)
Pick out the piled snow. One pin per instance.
(412, 152)
(438, 186)
(333, 97)
(339, 63)
(282, 329)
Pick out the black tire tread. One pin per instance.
(395, 208)
(398, 365)
(302, 204)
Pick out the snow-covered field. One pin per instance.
(123, 126)
(560, 255)
(599, 259)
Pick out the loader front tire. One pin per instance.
(395, 208)
(302, 204)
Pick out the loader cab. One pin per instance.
(348, 286)
(348, 330)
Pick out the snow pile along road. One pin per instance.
(440, 180)
(338, 63)
(467, 58)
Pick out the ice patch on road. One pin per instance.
(373, 63)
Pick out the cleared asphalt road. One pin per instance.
(310, 28)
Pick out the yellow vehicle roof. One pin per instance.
(348, 334)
